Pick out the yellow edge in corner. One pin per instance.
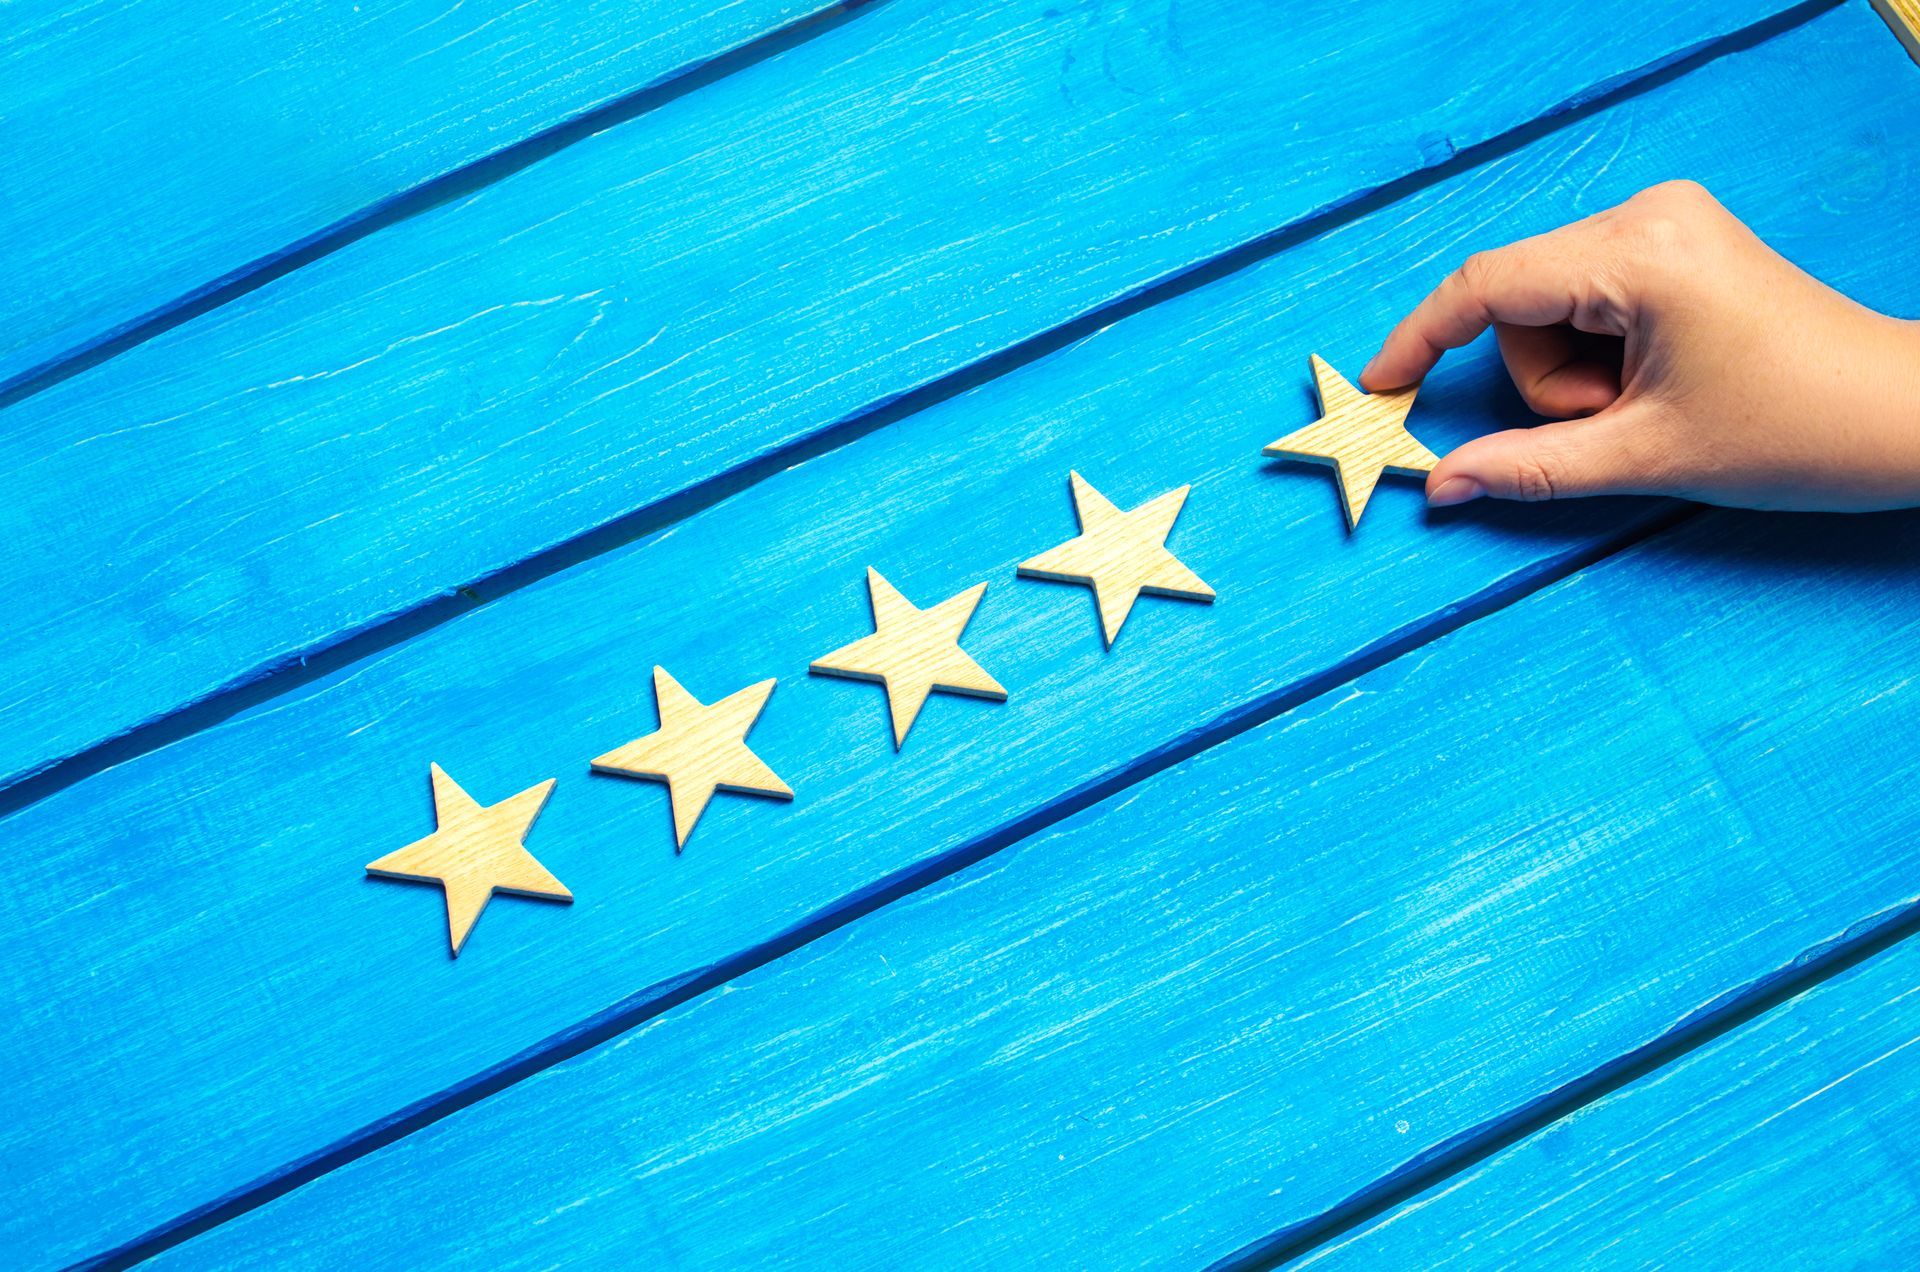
(1904, 17)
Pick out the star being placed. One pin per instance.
(1362, 435)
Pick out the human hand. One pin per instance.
(1682, 356)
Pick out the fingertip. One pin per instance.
(1453, 490)
(1371, 378)
(1575, 390)
(1455, 479)
(1387, 371)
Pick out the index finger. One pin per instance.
(1535, 282)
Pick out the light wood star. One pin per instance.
(913, 652)
(1361, 435)
(475, 853)
(1120, 555)
(697, 750)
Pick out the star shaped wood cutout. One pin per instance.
(475, 853)
(1361, 435)
(1120, 555)
(913, 652)
(698, 750)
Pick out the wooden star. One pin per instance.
(1361, 435)
(1120, 555)
(697, 750)
(913, 652)
(475, 853)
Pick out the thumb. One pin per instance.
(1592, 456)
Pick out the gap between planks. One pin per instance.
(605, 1025)
(1813, 968)
(999, 899)
(583, 1036)
(270, 681)
(644, 1005)
(460, 183)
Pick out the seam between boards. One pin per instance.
(301, 667)
(649, 1003)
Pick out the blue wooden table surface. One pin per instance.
(398, 384)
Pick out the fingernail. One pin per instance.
(1366, 372)
(1455, 490)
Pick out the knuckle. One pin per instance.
(1677, 196)
(1537, 477)
(1531, 393)
(1535, 390)
(1666, 216)
(1686, 191)
(1478, 270)
(1607, 304)
(1659, 234)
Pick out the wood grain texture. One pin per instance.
(1903, 16)
(742, 268)
(1216, 1006)
(475, 852)
(1120, 555)
(1788, 1143)
(697, 750)
(912, 652)
(156, 147)
(1362, 435)
(151, 1080)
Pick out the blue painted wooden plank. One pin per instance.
(241, 847)
(155, 149)
(1788, 1143)
(1216, 1006)
(738, 270)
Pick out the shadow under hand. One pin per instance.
(1837, 545)
(1472, 396)
(1456, 406)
